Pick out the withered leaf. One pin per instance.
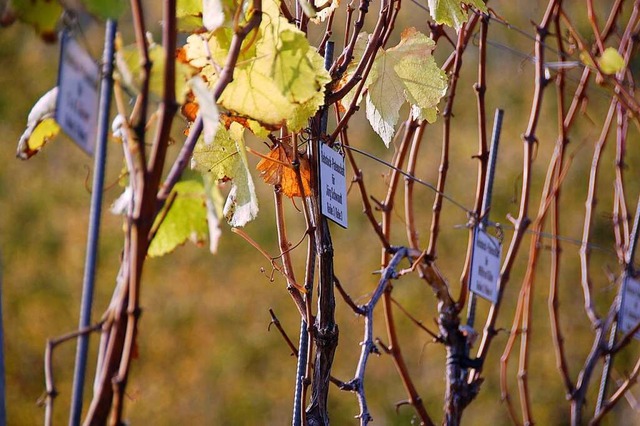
(274, 171)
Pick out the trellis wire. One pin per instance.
(94, 222)
(468, 211)
(407, 175)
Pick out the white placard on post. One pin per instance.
(333, 185)
(629, 314)
(77, 105)
(485, 265)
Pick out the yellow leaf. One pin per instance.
(279, 78)
(41, 126)
(611, 61)
(257, 95)
(44, 131)
(452, 13)
(586, 59)
(42, 15)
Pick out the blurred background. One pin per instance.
(206, 355)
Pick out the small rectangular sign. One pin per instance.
(629, 314)
(333, 185)
(485, 265)
(77, 105)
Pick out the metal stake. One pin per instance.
(628, 271)
(301, 366)
(94, 222)
(486, 201)
(303, 345)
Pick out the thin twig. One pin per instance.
(554, 273)
(51, 392)
(394, 344)
(359, 77)
(447, 114)
(480, 88)
(356, 309)
(358, 178)
(292, 285)
(275, 321)
(522, 221)
(119, 346)
(418, 323)
(368, 346)
(589, 211)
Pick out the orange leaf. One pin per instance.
(227, 119)
(181, 55)
(274, 171)
(190, 108)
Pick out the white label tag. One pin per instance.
(485, 265)
(629, 314)
(333, 185)
(77, 106)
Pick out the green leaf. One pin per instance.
(42, 15)
(451, 12)
(41, 126)
(241, 206)
(129, 71)
(219, 159)
(429, 114)
(106, 9)
(425, 83)
(404, 73)
(226, 160)
(189, 15)
(185, 220)
(279, 79)
(611, 61)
